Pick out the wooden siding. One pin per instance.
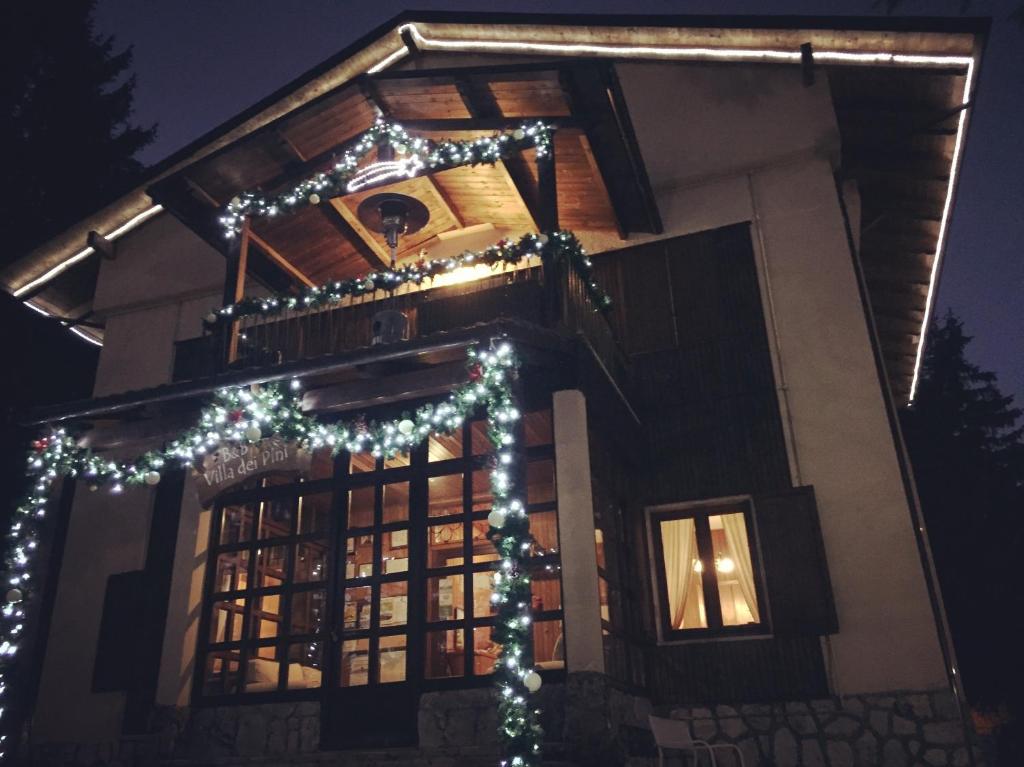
(689, 311)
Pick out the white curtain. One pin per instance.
(735, 528)
(679, 543)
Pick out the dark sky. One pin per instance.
(200, 63)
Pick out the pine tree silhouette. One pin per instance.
(967, 452)
(68, 141)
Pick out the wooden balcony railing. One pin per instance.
(552, 296)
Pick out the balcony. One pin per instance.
(548, 297)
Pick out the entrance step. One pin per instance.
(391, 757)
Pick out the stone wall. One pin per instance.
(588, 721)
(894, 730)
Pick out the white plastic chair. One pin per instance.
(675, 734)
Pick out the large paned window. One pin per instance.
(264, 624)
(707, 570)
(374, 572)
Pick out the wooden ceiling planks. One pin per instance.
(898, 130)
(528, 94)
(307, 239)
(329, 122)
(421, 98)
(315, 243)
(485, 194)
(422, 189)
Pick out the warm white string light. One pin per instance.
(377, 172)
(698, 53)
(67, 263)
(243, 416)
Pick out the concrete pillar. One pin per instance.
(584, 649)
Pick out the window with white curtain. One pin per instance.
(707, 573)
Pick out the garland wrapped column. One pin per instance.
(510, 531)
(244, 415)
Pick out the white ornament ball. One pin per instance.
(14, 595)
(236, 201)
(405, 426)
(532, 681)
(314, 199)
(519, 134)
(152, 478)
(210, 318)
(496, 519)
(253, 434)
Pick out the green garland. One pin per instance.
(414, 154)
(247, 414)
(560, 246)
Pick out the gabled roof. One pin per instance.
(901, 87)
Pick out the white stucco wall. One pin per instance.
(155, 292)
(725, 144)
(107, 534)
(162, 282)
(177, 666)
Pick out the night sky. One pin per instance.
(200, 63)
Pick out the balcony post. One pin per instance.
(234, 283)
(547, 198)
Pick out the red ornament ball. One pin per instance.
(475, 371)
(235, 416)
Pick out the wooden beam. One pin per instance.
(268, 250)
(488, 124)
(445, 201)
(234, 284)
(280, 260)
(594, 94)
(368, 87)
(595, 172)
(483, 107)
(342, 219)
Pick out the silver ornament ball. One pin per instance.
(532, 681)
(405, 426)
(14, 595)
(496, 519)
(152, 478)
(253, 434)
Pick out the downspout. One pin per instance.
(910, 490)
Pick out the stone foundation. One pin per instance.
(588, 722)
(892, 730)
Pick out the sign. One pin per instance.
(233, 464)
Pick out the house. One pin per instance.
(710, 245)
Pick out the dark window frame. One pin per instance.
(246, 648)
(332, 633)
(700, 512)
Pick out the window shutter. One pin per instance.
(799, 588)
(117, 654)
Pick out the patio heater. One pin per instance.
(392, 215)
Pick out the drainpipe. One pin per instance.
(910, 491)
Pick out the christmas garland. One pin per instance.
(248, 414)
(560, 246)
(413, 155)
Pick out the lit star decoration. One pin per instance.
(248, 414)
(561, 246)
(414, 154)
